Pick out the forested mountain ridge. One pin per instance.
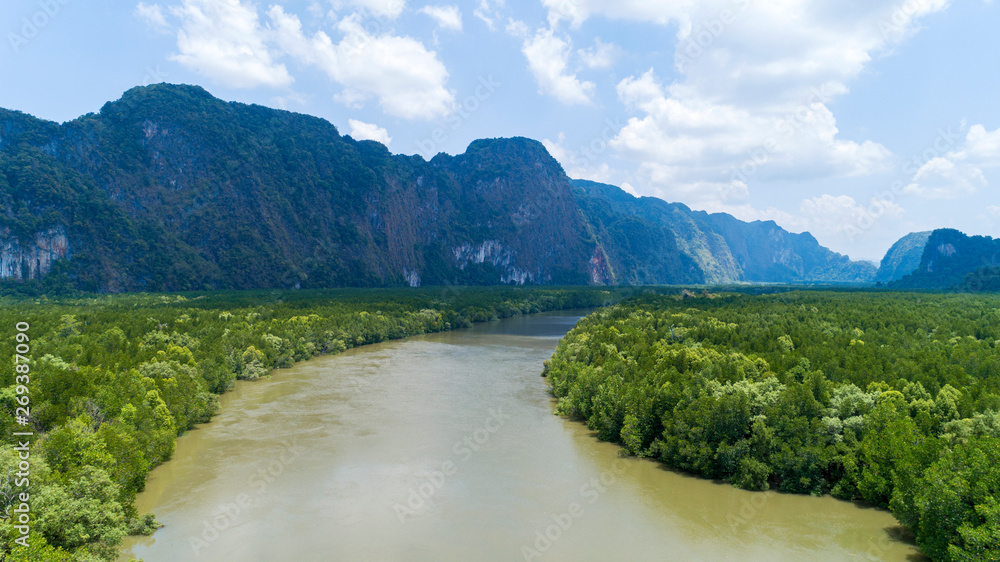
(651, 241)
(954, 260)
(222, 195)
(170, 188)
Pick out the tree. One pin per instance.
(74, 446)
(253, 364)
(82, 513)
(957, 503)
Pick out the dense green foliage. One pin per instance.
(115, 379)
(892, 399)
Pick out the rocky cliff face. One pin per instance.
(34, 259)
(169, 188)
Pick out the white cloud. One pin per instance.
(825, 216)
(981, 146)
(941, 178)
(627, 188)
(894, 19)
(754, 87)
(152, 14)
(684, 141)
(993, 210)
(316, 10)
(406, 78)
(548, 56)
(601, 55)
(958, 173)
(283, 102)
(368, 131)
(637, 92)
(713, 195)
(749, 213)
(517, 28)
(447, 17)
(224, 41)
(575, 164)
(489, 12)
(828, 214)
(390, 9)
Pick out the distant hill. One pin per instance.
(903, 257)
(948, 259)
(169, 188)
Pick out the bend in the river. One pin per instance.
(444, 447)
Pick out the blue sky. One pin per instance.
(859, 121)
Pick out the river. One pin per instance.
(444, 447)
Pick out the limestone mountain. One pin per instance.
(169, 188)
(903, 258)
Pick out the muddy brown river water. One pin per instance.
(444, 447)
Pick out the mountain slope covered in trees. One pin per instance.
(954, 260)
(649, 240)
(169, 188)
